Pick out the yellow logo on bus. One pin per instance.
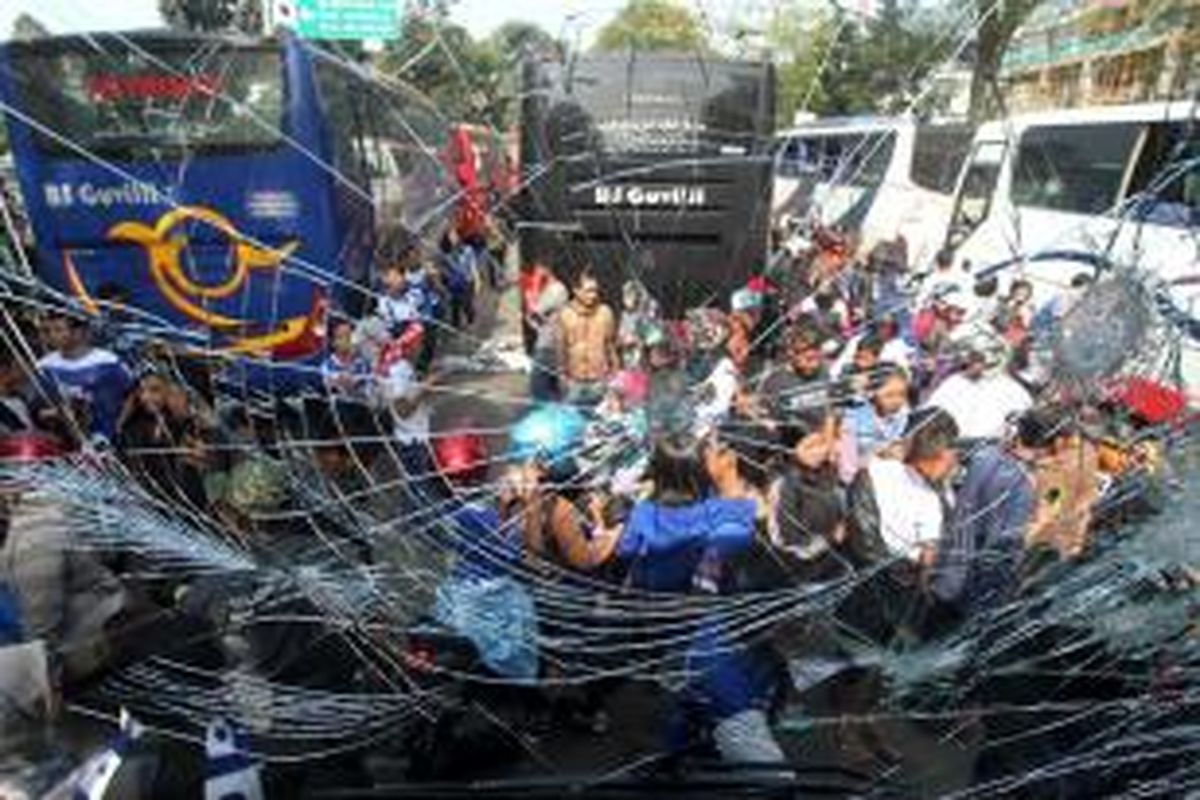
(164, 245)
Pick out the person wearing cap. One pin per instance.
(482, 545)
(937, 320)
(981, 397)
(746, 307)
(480, 597)
(996, 511)
(803, 381)
(89, 380)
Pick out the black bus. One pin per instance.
(654, 167)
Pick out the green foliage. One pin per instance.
(517, 38)
(26, 27)
(470, 80)
(652, 25)
(213, 15)
(799, 35)
(831, 62)
(996, 28)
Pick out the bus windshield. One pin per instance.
(129, 101)
(676, 107)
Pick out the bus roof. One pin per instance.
(826, 126)
(637, 56)
(1176, 111)
(157, 35)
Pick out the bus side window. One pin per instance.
(833, 153)
(1165, 188)
(975, 195)
(791, 157)
(938, 156)
(338, 89)
(868, 162)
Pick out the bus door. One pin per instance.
(980, 230)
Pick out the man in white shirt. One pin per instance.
(898, 507)
(982, 398)
(897, 510)
(403, 393)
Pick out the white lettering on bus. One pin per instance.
(643, 196)
(129, 193)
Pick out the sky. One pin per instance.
(575, 20)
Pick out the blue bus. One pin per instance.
(225, 191)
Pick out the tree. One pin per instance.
(998, 23)
(517, 38)
(799, 36)
(460, 75)
(652, 25)
(213, 15)
(26, 27)
(833, 62)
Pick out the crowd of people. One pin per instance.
(88, 389)
(843, 420)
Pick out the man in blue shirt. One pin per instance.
(88, 381)
(979, 556)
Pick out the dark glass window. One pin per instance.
(938, 155)
(1077, 168)
(131, 102)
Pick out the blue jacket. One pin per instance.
(665, 544)
(980, 552)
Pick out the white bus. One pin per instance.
(1044, 194)
(880, 176)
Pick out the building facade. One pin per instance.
(1073, 53)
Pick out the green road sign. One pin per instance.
(347, 19)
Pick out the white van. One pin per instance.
(1044, 195)
(881, 176)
